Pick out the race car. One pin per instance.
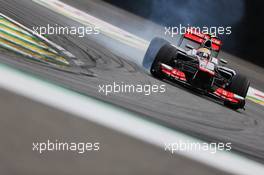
(194, 63)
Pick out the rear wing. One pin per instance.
(195, 39)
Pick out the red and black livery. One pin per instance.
(182, 64)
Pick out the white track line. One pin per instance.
(54, 45)
(255, 96)
(89, 20)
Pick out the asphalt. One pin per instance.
(176, 108)
(118, 154)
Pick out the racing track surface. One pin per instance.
(112, 158)
(177, 108)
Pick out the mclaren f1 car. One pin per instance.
(194, 62)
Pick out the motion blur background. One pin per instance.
(244, 16)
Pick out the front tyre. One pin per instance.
(165, 55)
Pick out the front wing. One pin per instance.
(220, 93)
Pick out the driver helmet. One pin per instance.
(204, 53)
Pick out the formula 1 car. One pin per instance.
(194, 63)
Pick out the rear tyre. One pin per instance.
(239, 85)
